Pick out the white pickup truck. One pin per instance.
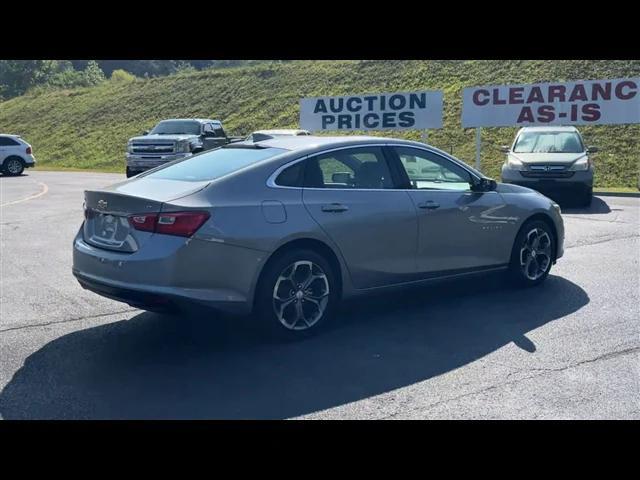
(172, 140)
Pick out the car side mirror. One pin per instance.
(505, 149)
(592, 149)
(484, 185)
(146, 132)
(342, 177)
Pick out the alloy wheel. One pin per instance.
(14, 166)
(535, 254)
(300, 295)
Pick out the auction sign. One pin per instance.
(592, 102)
(382, 111)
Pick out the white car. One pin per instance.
(15, 155)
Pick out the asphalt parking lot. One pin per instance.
(479, 348)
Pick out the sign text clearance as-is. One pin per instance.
(383, 111)
(591, 102)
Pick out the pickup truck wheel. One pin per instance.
(13, 166)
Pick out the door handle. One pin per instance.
(334, 207)
(431, 205)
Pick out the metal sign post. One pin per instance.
(478, 146)
(425, 135)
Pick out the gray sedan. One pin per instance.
(287, 227)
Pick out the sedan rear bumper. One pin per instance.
(157, 297)
(171, 271)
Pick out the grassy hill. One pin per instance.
(89, 127)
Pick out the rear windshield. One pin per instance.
(214, 164)
(549, 142)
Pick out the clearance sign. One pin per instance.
(593, 102)
(383, 111)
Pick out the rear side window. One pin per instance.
(214, 164)
(8, 142)
(291, 176)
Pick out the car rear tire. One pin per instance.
(533, 253)
(297, 295)
(13, 166)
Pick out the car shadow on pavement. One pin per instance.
(2, 175)
(598, 206)
(161, 367)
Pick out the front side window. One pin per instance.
(214, 164)
(430, 171)
(353, 168)
(549, 142)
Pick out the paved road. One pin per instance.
(474, 349)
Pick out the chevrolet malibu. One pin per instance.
(287, 227)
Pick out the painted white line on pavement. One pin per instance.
(42, 192)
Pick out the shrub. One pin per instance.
(122, 76)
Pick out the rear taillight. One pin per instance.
(29, 150)
(182, 224)
(146, 223)
(88, 213)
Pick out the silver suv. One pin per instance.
(552, 160)
(15, 155)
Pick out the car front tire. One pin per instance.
(533, 253)
(297, 295)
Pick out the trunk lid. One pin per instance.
(107, 210)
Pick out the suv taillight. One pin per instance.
(29, 150)
(182, 224)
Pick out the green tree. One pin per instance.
(92, 74)
(18, 76)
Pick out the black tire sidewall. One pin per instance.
(5, 168)
(263, 311)
(515, 270)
